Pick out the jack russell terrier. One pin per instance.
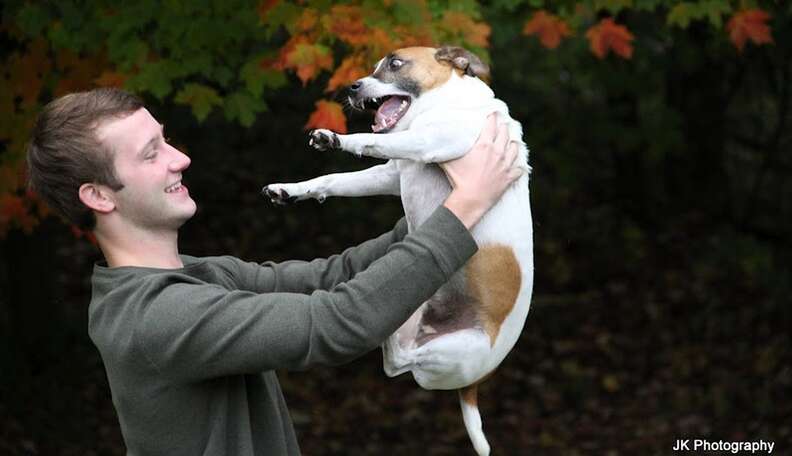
(432, 105)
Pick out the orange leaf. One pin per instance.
(110, 79)
(749, 24)
(350, 70)
(347, 22)
(27, 71)
(550, 29)
(475, 33)
(13, 211)
(306, 59)
(607, 35)
(264, 8)
(329, 115)
(79, 233)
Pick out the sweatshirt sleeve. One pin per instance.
(320, 274)
(192, 331)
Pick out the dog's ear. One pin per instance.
(464, 60)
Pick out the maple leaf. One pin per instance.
(350, 70)
(749, 24)
(550, 29)
(607, 36)
(474, 33)
(300, 55)
(264, 8)
(346, 21)
(79, 233)
(13, 211)
(110, 79)
(27, 71)
(329, 115)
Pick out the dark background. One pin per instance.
(662, 205)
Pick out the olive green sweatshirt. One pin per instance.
(190, 353)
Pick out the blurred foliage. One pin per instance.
(661, 194)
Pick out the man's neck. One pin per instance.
(141, 248)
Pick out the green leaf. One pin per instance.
(256, 77)
(200, 98)
(32, 19)
(714, 10)
(682, 14)
(283, 14)
(612, 6)
(243, 106)
(647, 5)
(154, 78)
(408, 12)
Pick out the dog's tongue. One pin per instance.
(386, 113)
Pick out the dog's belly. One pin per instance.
(424, 187)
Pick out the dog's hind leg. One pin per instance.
(468, 401)
(377, 180)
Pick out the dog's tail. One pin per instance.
(468, 400)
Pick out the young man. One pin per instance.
(190, 344)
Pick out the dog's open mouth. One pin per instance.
(390, 109)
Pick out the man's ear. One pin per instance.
(97, 197)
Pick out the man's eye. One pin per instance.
(395, 64)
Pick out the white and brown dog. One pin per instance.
(432, 105)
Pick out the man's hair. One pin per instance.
(64, 151)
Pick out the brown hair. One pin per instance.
(64, 152)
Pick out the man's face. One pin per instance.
(150, 170)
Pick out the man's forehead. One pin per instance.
(130, 132)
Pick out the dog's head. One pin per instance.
(406, 74)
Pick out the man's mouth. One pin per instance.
(176, 187)
(390, 109)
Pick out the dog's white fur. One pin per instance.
(441, 124)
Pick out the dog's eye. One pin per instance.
(395, 64)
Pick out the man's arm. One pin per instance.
(193, 331)
(319, 274)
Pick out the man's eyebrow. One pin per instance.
(152, 142)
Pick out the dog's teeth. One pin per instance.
(404, 103)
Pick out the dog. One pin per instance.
(431, 105)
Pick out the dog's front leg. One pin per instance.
(377, 180)
(423, 145)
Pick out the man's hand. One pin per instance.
(480, 177)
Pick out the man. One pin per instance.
(190, 344)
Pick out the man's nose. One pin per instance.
(180, 160)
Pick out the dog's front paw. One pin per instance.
(322, 139)
(278, 195)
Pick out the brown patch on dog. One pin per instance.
(493, 280)
(424, 69)
(469, 394)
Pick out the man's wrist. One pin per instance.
(468, 210)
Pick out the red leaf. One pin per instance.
(607, 36)
(329, 115)
(350, 70)
(749, 24)
(548, 27)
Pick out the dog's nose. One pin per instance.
(356, 86)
